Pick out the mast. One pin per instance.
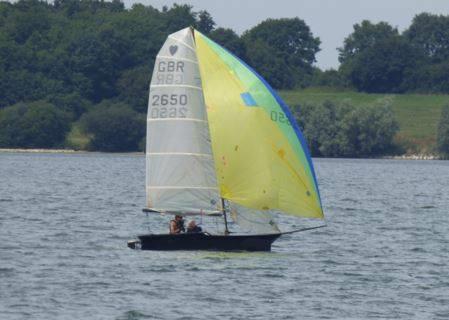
(224, 216)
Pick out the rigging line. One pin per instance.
(175, 86)
(208, 213)
(174, 58)
(180, 187)
(224, 216)
(208, 155)
(148, 222)
(303, 229)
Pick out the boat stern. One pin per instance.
(134, 244)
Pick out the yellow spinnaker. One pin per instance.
(259, 156)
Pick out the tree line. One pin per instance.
(86, 64)
(377, 58)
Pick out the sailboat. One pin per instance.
(221, 142)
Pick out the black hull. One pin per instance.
(203, 241)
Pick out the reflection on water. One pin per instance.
(65, 220)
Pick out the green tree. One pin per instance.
(429, 33)
(230, 40)
(99, 55)
(428, 78)
(132, 87)
(73, 104)
(290, 40)
(375, 58)
(205, 23)
(23, 85)
(179, 17)
(114, 127)
(443, 132)
(144, 30)
(328, 78)
(30, 16)
(290, 36)
(33, 125)
(365, 36)
(429, 37)
(381, 68)
(270, 65)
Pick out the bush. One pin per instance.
(347, 131)
(329, 78)
(443, 132)
(114, 127)
(33, 125)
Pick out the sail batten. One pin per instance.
(177, 59)
(174, 86)
(181, 187)
(171, 37)
(179, 154)
(177, 119)
(185, 212)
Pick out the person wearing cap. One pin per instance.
(177, 225)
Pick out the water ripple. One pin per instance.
(65, 220)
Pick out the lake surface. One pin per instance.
(65, 220)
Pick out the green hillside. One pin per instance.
(417, 114)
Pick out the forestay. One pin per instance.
(180, 166)
(253, 221)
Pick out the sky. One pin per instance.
(330, 20)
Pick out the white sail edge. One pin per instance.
(184, 212)
(174, 86)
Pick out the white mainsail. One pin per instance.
(180, 175)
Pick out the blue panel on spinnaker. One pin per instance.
(248, 99)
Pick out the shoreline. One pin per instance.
(22, 150)
(66, 151)
(73, 151)
(414, 157)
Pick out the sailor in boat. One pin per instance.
(192, 227)
(177, 225)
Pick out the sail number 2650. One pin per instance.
(169, 99)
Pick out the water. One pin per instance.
(65, 220)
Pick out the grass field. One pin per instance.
(417, 114)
